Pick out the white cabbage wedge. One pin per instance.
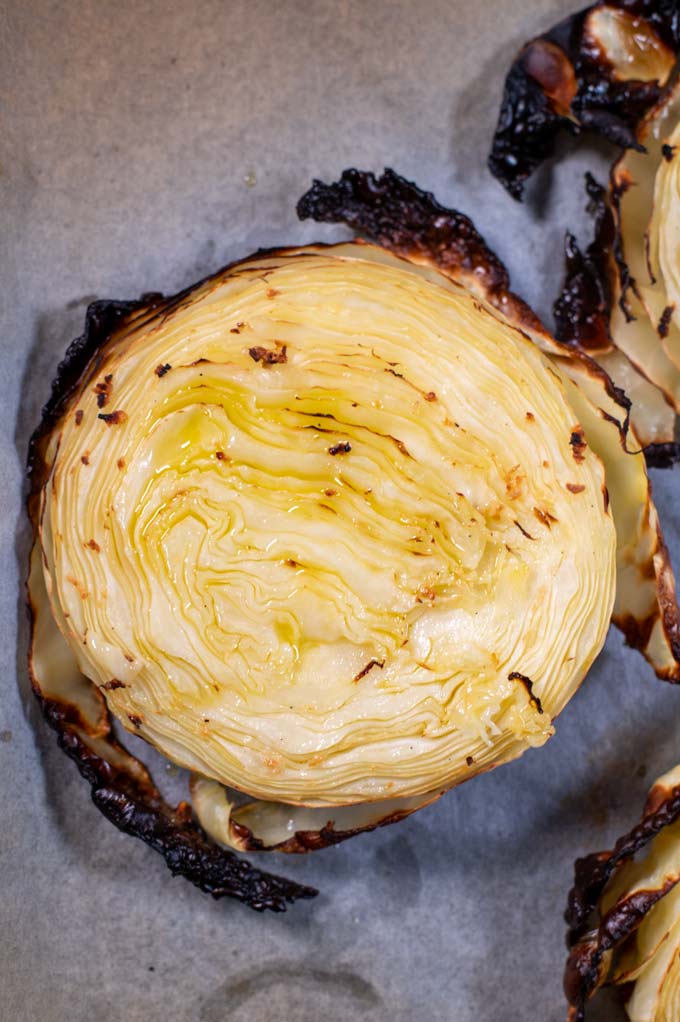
(331, 532)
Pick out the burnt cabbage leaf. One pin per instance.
(289, 472)
(601, 69)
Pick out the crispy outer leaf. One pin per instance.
(258, 826)
(404, 219)
(128, 798)
(600, 69)
(582, 309)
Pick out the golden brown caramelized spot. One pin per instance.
(575, 487)
(531, 417)
(514, 481)
(550, 67)
(78, 416)
(469, 760)
(430, 396)
(116, 418)
(130, 659)
(269, 357)
(220, 455)
(544, 517)
(121, 463)
(426, 593)
(401, 447)
(331, 492)
(238, 328)
(103, 390)
(111, 686)
(78, 586)
(291, 563)
(85, 458)
(161, 370)
(648, 570)
(93, 545)
(344, 447)
(135, 719)
(272, 292)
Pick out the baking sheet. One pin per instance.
(144, 144)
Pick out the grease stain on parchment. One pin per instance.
(303, 993)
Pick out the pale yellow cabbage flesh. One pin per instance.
(341, 539)
(632, 47)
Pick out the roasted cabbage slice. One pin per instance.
(332, 531)
(624, 915)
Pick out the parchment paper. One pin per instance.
(145, 143)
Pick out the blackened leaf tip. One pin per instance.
(132, 802)
(567, 80)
